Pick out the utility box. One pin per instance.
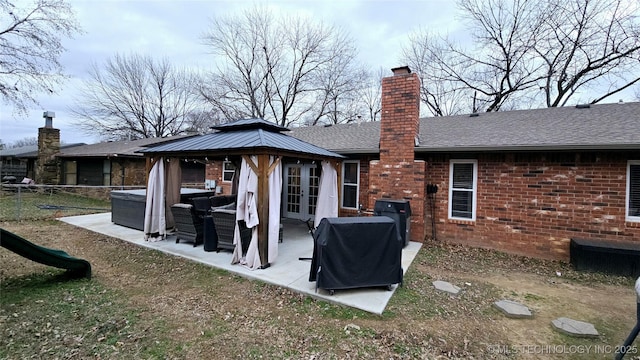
(400, 212)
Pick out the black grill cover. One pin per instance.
(352, 252)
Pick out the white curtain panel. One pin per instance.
(155, 227)
(246, 210)
(327, 205)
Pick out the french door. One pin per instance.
(300, 190)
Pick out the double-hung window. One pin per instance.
(350, 184)
(463, 183)
(633, 191)
(228, 169)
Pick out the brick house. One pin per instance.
(523, 181)
(112, 163)
(118, 163)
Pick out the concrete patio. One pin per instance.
(287, 271)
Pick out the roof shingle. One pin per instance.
(601, 126)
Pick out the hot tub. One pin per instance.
(127, 206)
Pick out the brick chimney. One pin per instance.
(47, 170)
(397, 175)
(399, 119)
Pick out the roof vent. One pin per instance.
(474, 115)
(583, 106)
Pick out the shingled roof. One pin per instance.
(597, 127)
(125, 148)
(342, 138)
(31, 151)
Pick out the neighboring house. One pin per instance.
(522, 181)
(20, 162)
(117, 163)
(114, 163)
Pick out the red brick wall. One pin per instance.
(533, 204)
(213, 171)
(401, 181)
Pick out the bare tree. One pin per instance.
(588, 45)
(30, 47)
(442, 94)
(527, 50)
(370, 96)
(276, 67)
(137, 97)
(338, 98)
(201, 121)
(28, 141)
(238, 86)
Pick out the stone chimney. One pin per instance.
(397, 175)
(47, 169)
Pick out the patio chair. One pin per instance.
(189, 224)
(210, 232)
(220, 200)
(224, 221)
(201, 205)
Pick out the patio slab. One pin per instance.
(287, 271)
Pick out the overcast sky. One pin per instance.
(172, 29)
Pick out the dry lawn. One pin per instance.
(144, 304)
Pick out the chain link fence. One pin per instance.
(20, 202)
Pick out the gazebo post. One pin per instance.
(149, 163)
(263, 210)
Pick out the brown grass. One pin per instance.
(144, 304)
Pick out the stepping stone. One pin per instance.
(445, 286)
(574, 327)
(513, 309)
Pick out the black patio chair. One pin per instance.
(224, 221)
(201, 205)
(189, 224)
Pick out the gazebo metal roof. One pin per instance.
(243, 136)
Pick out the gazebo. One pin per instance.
(262, 146)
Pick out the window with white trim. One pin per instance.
(350, 183)
(228, 169)
(463, 182)
(633, 191)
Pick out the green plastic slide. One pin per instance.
(52, 257)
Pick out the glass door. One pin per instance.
(300, 190)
